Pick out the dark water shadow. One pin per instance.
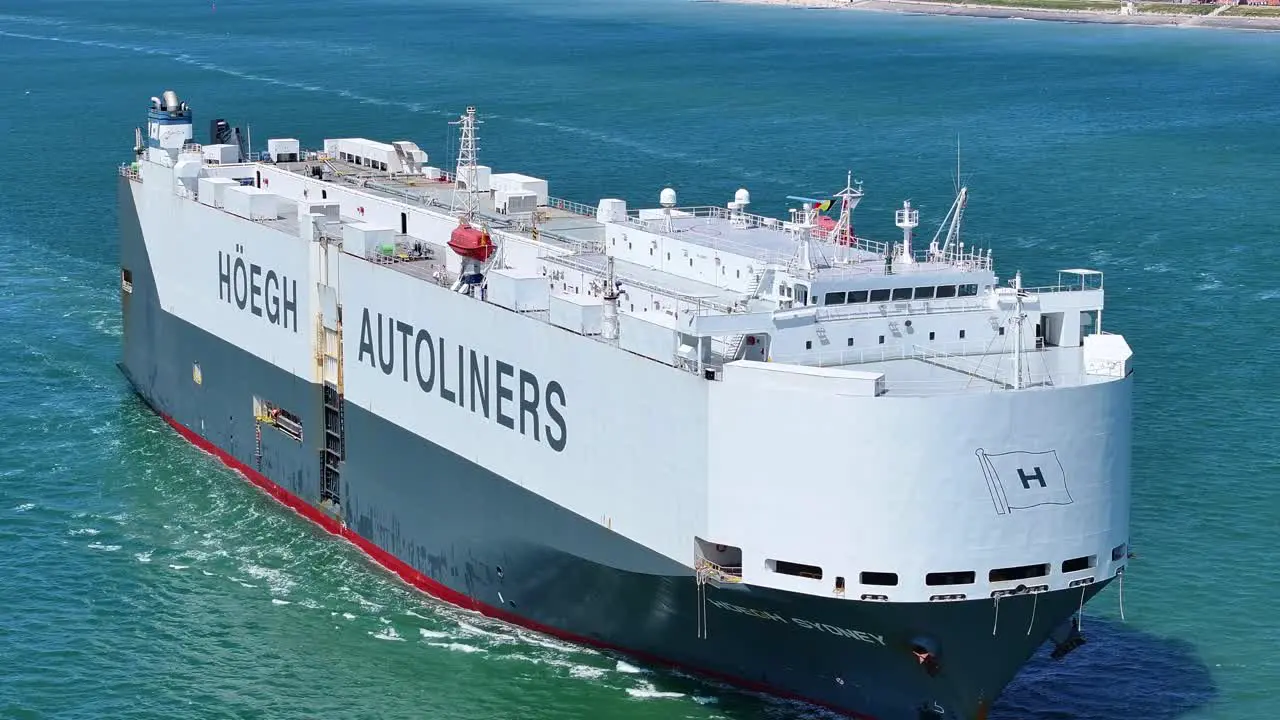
(1121, 674)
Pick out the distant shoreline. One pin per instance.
(977, 9)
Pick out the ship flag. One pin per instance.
(1021, 480)
(824, 206)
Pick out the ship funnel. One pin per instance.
(168, 126)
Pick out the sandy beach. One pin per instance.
(998, 11)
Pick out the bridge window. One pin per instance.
(881, 339)
(946, 291)
(961, 334)
(1022, 572)
(1080, 563)
(968, 290)
(879, 295)
(879, 578)
(834, 298)
(931, 336)
(902, 293)
(782, 567)
(857, 296)
(1118, 552)
(850, 342)
(950, 578)
(1002, 330)
(808, 344)
(924, 293)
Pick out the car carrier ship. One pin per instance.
(865, 474)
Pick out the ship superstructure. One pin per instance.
(868, 474)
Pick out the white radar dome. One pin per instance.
(668, 197)
(742, 197)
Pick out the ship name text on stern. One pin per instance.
(520, 402)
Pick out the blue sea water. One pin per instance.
(140, 579)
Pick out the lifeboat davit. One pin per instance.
(471, 242)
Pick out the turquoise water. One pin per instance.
(138, 578)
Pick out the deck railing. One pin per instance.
(570, 206)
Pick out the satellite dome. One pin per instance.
(668, 197)
(742, 197)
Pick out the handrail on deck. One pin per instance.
(570, 206)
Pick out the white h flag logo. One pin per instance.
(1021, 480)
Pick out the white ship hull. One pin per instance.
(559, 482)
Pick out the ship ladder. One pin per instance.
(700, 573)
(333, 452)
(257, 453)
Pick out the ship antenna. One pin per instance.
(954, 215)
(1018, 317)
(465, 201)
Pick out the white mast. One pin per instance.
(954, 215)
(464, 199)
(1018, 317)
(849, 199)
(609, 321)
(952, 240)
(908, 220)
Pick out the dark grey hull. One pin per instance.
(470, 537)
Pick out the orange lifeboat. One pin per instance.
(827, 226)
(472, 243)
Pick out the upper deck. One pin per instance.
(693, 287)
